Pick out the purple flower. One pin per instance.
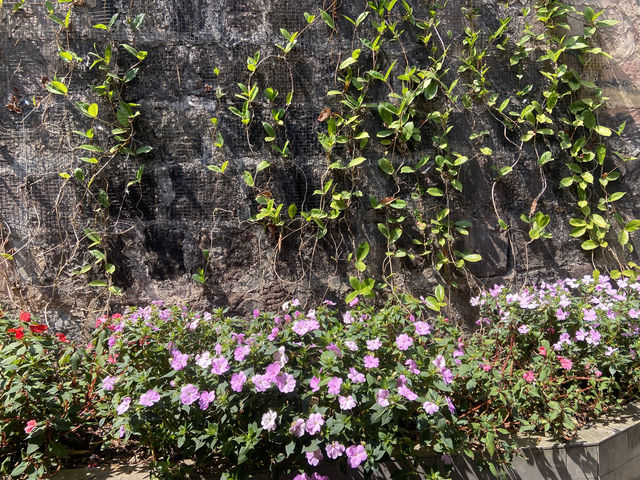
(205, 399)
(314, 423)
(523, 329)
(610, 350)
(374, 344)
(329, 302)
(121, 431)
(237, 381)
(451, 406)
(407, 393)
(124, 405)
(285, 383)
(261, 382)
(334, 450)
(561, 314)
(594, 337)
(314, 383)
(302, 327)
(412, 366)
(314, 458)
(403, 341)
(422, 328)
(219, 365)
(179, 360)
(268, 421)
(241, 352)
(280, 358)
(334, 385)
(381, 398)
(371, 362)
(108, 383)
(274, 333)
(189, 394)
(447, 376)
(589, 315)
(356, 455)
(354, 302)
(439, 362)
(430, 407)
(297, 427)
(351, 345)
(203, 360)
(346, 403)
(149, 398)
(581, 335)
(256, 313)
(355, 376)
(347, 318)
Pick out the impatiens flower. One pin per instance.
(486, 367)
(203, 359)
(285, 383)
(297, 427)
(356, 455)
(430, 407)
(108, 383)
(206, 398)
(561, 314)
(18, 332)
(302, 327)
(523, 329)
(268, 421)
(314, 458)
(407, 393)
(261, 382)
(542, 351)
(371, 362)
(412, 366)
(589, 315)
(450, 405)
(374, 344)
(189, 394)
(581, 335)
(219, 365)
(241, 352)
(314, 423)
(529, 376)
(237, 381)
(354, 302)
(422, 328)
(439, 362)
(179, 360)
(381, 398)
(38, 328)
(121, 431)
(31, 424)
(25, 317)
(334, 450)
(447, 376)
(149, 398)
(124, 405)
(274, 333)
(346, 403)
(62, 337)
(280, 357)
(403, 341)
(351, 345)
(594, 337)
(334, 385)
(347, 318)
(355, 376)
(314, 383)
(597, 373)
(565, 363)
(610, 351)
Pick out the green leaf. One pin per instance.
(599, 221)
(363, 251)
(248, 178)
(602, 130)
(385, 166)
(293, 209)
(589, 245)
(130, 75)
(435, 192)
(545, 158)
(97, 283)
(57, 87)
(384, 230)
(262, 165)
(92, 110)
(616, 196)
(328, 20)
(356, 161)
(91, 148)
(632, 226)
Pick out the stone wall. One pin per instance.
(155, 232)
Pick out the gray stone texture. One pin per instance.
(155, 232)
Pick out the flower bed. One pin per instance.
(283, 392)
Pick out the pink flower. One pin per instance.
(261, 382)
(486, 367)
(351, 345)
(219, 365)
(241, 352)
(597, 373)
(565, 363)
(297, 427)
(374, 344)
(31, 424)
(334, 450)
(430, 407)
(269, 421)
(314, 458)
(407, 393)
(149, 398)
(412, 366)
(205, 399)
(179, 360)
(124, 405)
(371, 362)
(422, 328)
(285, 383)
(274, 333)
(381, 398)
(354, 302)
(237, 381)
(334, 385)
(542, 350)
(346, 403)
(355, 376)
(108, 383)
(314, 383)
(403, 341)
(529, 376)
(203, 360)
(314, 423)
(356, 455)
(523, 329)
(189, 394)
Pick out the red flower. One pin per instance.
(19, 332)
(31, 424)
(25, 316)
(38, 328)
(543, 351)
(62, 337)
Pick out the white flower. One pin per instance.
(269, 420)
